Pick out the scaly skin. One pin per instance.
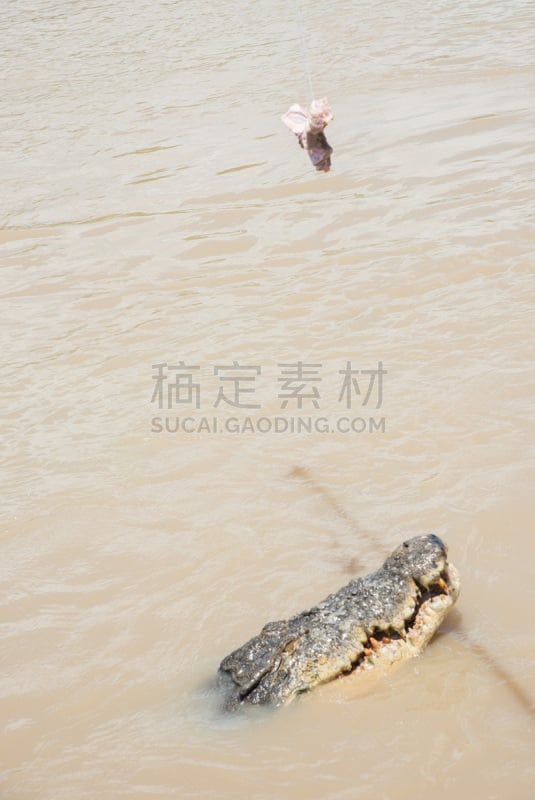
(387, 616)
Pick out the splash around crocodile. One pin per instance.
(385, 617)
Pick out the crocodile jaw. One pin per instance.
(429, 618)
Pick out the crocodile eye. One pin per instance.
(405, 544)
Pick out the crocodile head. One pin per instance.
(385, 617)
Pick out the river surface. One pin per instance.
(189, 314)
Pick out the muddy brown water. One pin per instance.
(156, 211)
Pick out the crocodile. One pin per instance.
(387, 616)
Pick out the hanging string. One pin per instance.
(301, 26)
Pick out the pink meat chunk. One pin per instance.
(309, 127)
